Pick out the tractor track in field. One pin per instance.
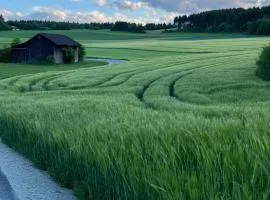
(52, 77)
(49, 80)
(140, 95)
(118, 83)
(172, 85)
(35, 82)
(131, 76)
(108, 81)
(31, 85)
(171, 66)
(45, 87)
(172, 92)
(46, 82)
(117, 75)
(14, 81)
(105, 83)
(99, 84)
(146, 71)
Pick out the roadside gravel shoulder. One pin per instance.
(20, 180)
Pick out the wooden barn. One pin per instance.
(42, 47)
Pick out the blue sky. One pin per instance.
(27, 5)
(140, 11)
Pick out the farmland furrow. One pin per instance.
(118, 75)
(119, 83)
(49, 80)
(172, 85)
(110, 78)
(140, 95)
(14, 81)
(106, 83)
(173, 65)
(39, 80)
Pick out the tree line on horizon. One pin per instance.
(54, 25)
(139, 28)
(252, 20)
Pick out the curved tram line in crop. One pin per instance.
(45, 82)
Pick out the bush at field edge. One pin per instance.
(263, 63)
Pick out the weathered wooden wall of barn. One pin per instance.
(76, 55)
(40, 48)
(58, 55)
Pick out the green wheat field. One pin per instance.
(184, 117)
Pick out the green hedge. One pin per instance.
(263, 63)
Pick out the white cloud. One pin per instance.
(10, 15)
(129, 5)
(47, 13)
(101, 2)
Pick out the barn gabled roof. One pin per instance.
(60, 40)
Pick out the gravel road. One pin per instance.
(20, 180)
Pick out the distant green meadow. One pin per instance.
(184, 118)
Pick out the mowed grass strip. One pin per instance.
(173, 126)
